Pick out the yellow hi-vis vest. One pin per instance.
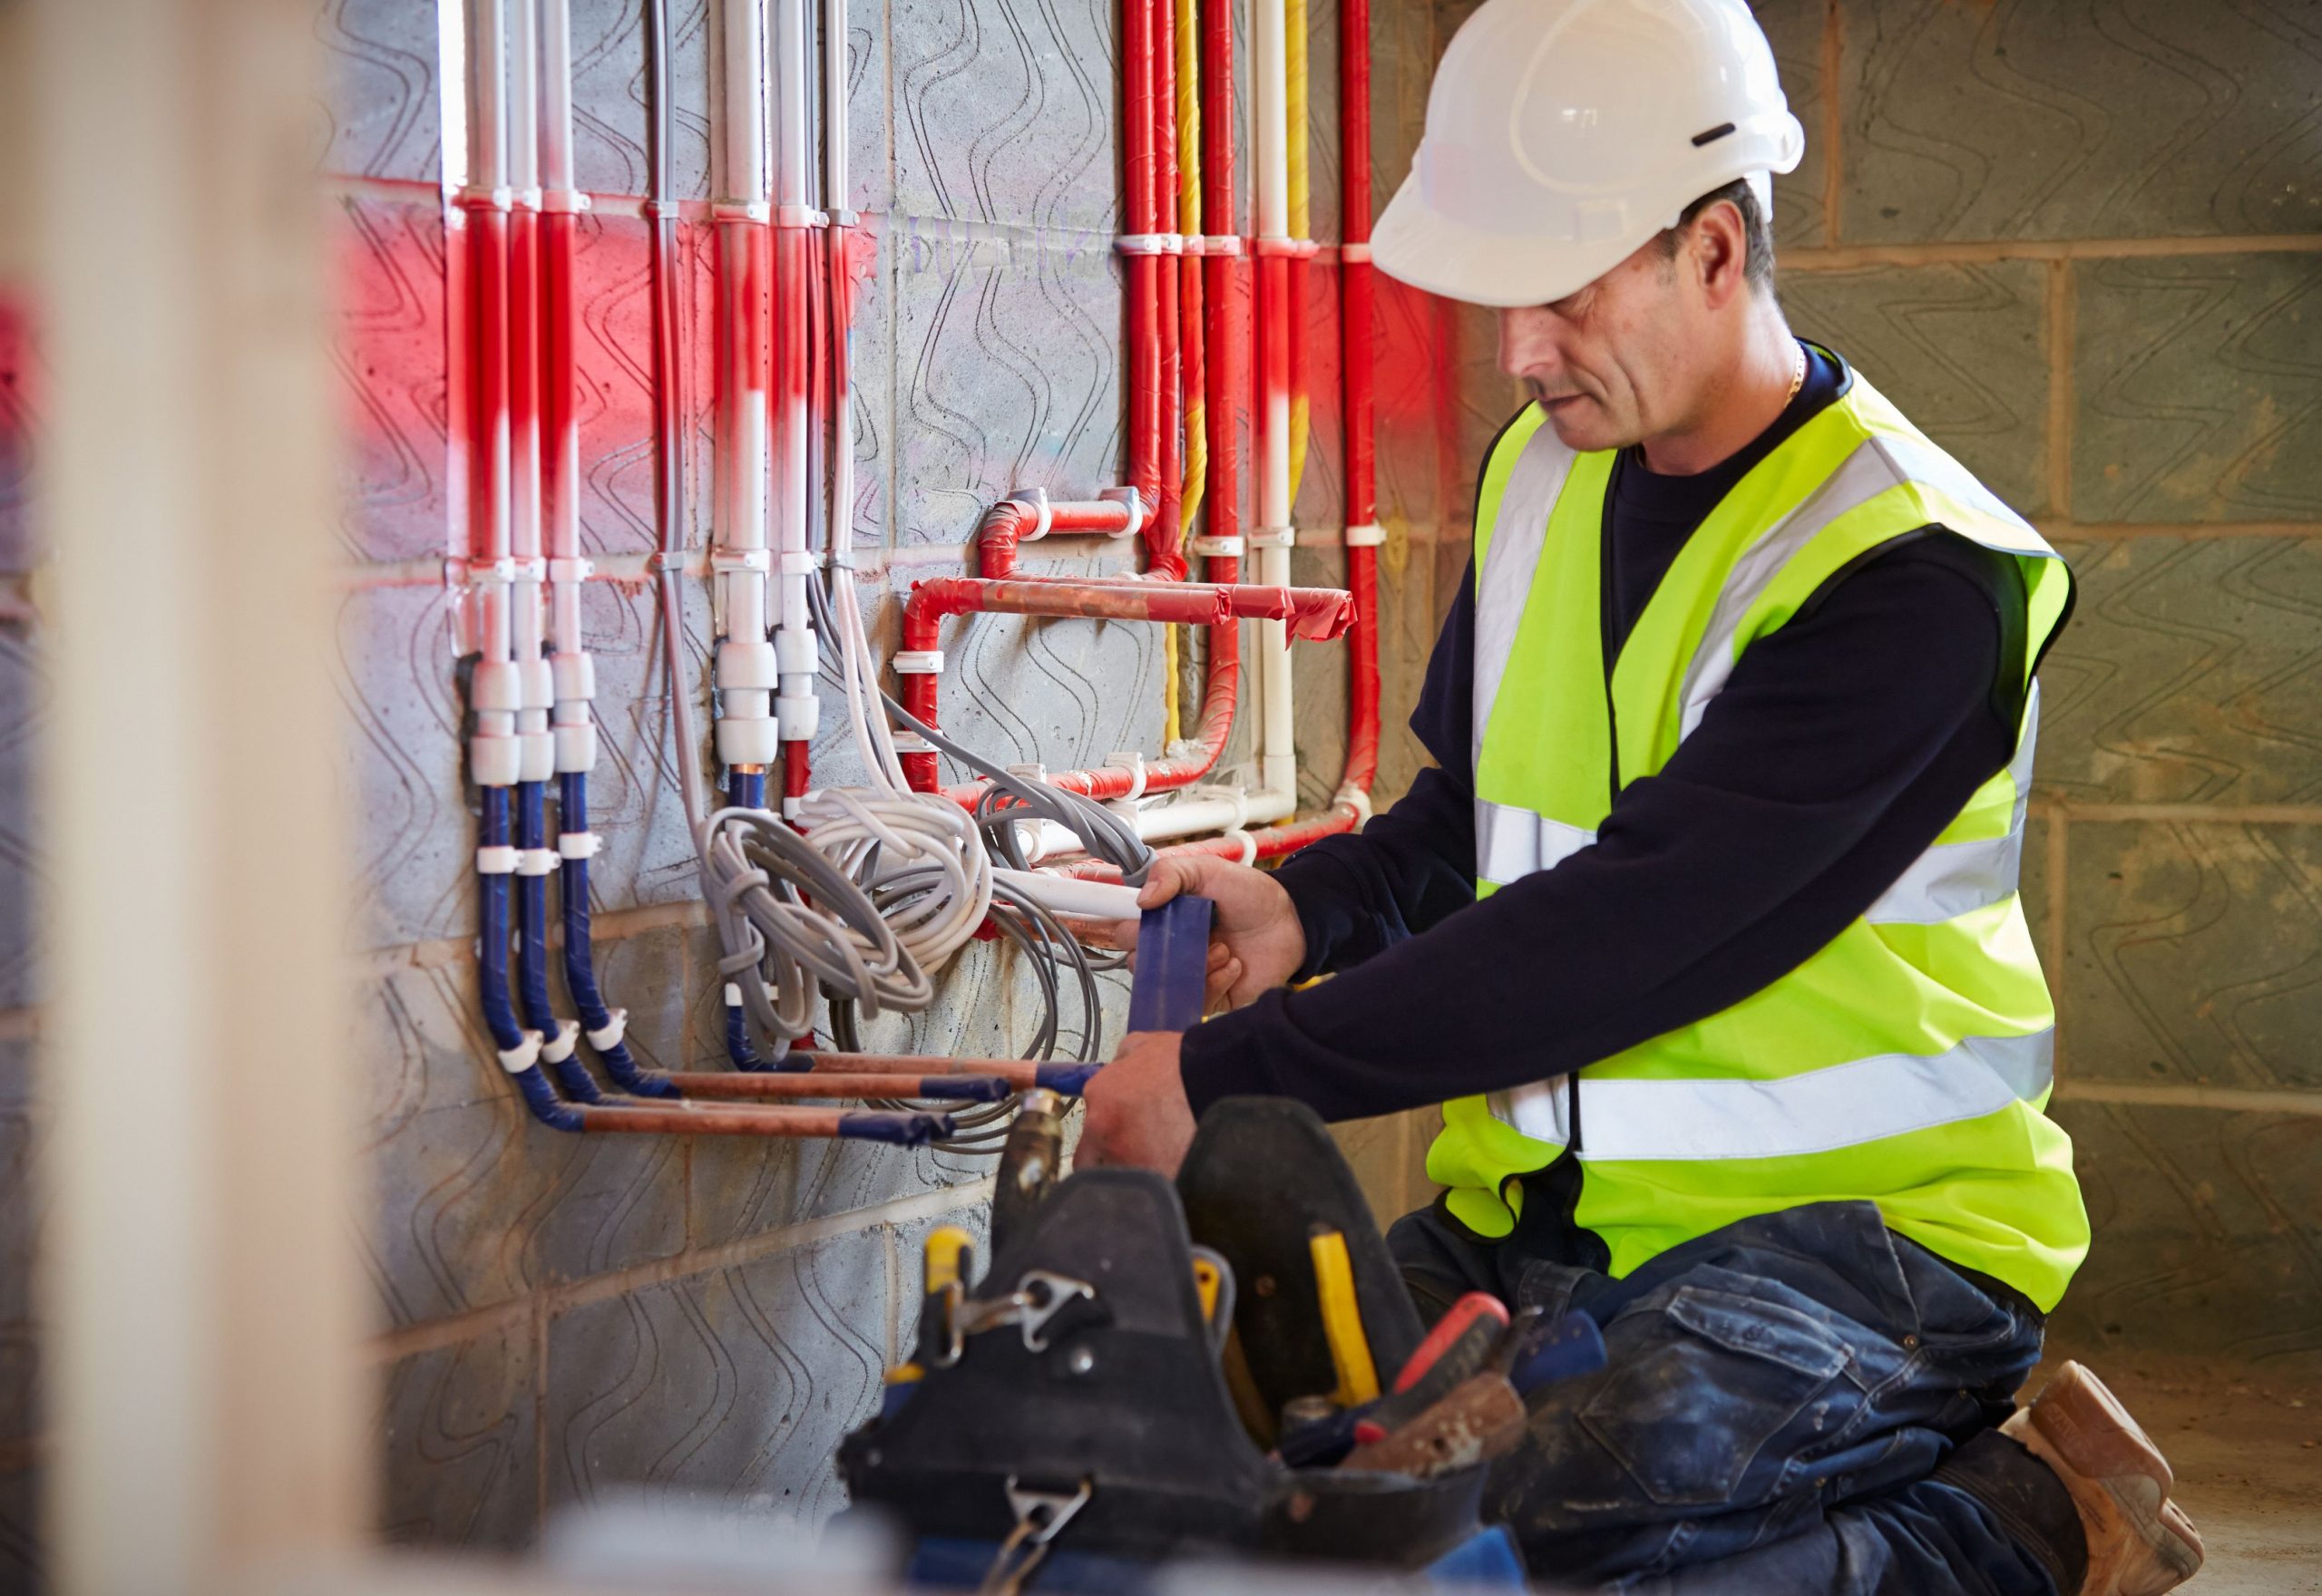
(1908, 1062)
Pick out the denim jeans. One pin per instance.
(1775, 1397)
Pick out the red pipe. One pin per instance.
(815, 1083)
(488, 480)
(1315, 613)
(559, 405)
(1166, 542)
(686, 1120)
(1355, 357)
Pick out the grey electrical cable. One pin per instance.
(1106, 835)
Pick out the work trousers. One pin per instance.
(1776, 1397)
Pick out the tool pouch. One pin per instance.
(1080, 1369)
(1118, 1389)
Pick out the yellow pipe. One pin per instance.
(1197, 484)
(1301, 221)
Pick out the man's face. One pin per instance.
(1613, 364)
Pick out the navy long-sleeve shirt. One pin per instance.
(1841, 747)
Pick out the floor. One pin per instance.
(2247, 1450)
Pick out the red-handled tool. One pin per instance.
(1455, 1350)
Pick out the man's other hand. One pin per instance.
(1255, 942)
(1137, 1115)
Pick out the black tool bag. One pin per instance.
(1083, 1373)
(1117, 1388)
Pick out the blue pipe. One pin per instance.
(579, 955)
(746, 789)
(532, 944)
(499, 1014)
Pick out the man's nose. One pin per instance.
(1527, 345)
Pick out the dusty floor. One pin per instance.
(2247, 1450)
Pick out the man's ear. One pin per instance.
(1718, 250)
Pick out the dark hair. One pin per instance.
(1758, 242)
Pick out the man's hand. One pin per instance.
(1138, 1113)
(1255, 942)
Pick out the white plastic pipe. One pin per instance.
(794, 641)
(746, 671)
(572, 673)
(1071, 895)
(1269, 91)
(1184, 817)
(526, 621)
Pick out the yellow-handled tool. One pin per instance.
(1342, 1318)
(950, 1255)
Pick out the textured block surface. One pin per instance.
(1962, 350)
(2044, 118)
(1796, 29)
(381, 117)
(2188, 674)
(1005, 114)
(457, 1433)
(389, 261)
(477, 1202)
(2195, 953)
(2206, 1236)
(2199, 382)
(737, 1383)
(24, 693)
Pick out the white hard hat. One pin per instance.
(1563, 134)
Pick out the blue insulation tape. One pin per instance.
(1172, 965)
(1069, 1079)
(904, 1130)
(963, 1088)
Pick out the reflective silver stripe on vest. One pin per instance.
(1513, 842)
(1951, 879)
(1844, 1105)
(1519, 530)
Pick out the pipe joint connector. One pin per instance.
(1358, 799)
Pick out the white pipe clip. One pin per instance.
(1149, 243)
(1358, 799)
(1272, 537)
(722, 560)
(1355, 254)
(535, 862)
(1210, 548)
(1133, 762)
(757, 210)
(1035, 499)
(578, 844)
(563, 202)
(1249, 846)
(568, 1038)
(1222, 244)
(616, 1027)
(1136, 502)
(579, 568)
(919, 662)
(799, 216)
(1367, 536)
(516, 1060)
(496, 861)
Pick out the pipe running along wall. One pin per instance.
(785, 300)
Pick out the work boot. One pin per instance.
(2140, 1543)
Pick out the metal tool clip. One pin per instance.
(1040, 1515)
(1038, 1296)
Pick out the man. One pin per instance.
(1705, 930)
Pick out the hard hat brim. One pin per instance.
(1416, 244)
